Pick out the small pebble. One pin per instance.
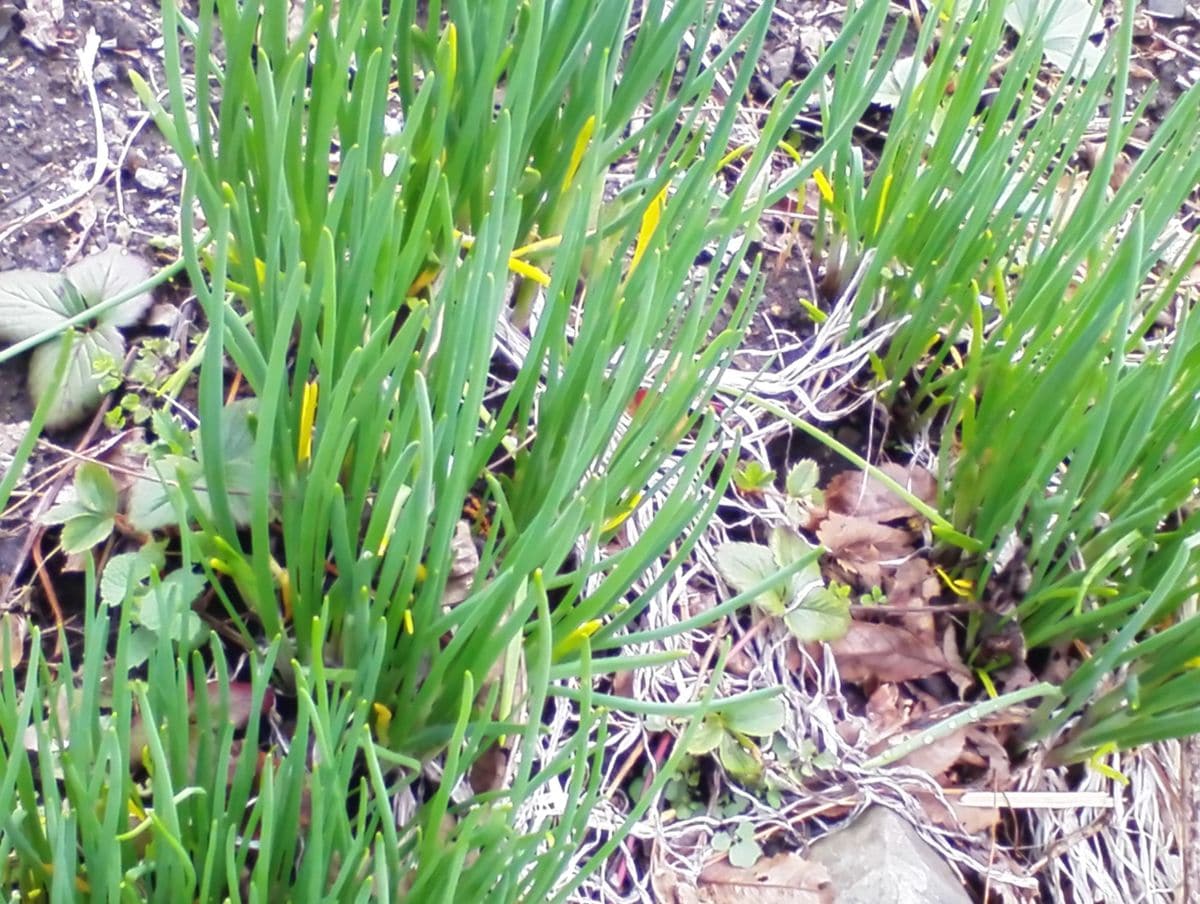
(152, 180)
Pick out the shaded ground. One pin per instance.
(80, 168)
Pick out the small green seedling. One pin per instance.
(729, 731)
(811, 610)
(752, 478)
(802, 480)
(742, 848)
(143, 380)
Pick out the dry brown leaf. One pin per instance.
(857, 493)
(42, 18)
(782, 879)
(938, 758)
(972, 820)
(886, 712)
(982, 742)
(462, 567)
(14, 628)
(860, 545)
(915, 586)
(962, 676)
(885, 653)
(488, 771)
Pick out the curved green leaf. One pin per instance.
(30, 302)
(821, 615)
(80, 393)
(107, 274)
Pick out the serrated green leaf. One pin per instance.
(821, 615)
(788, 547)
(802, 478)
(84, 531)
(1067, 32)
(753, 477)
(62, 513)
(106, 275)
(127, 572)
(892, 87)
(80, 392)
(759, 718)
(150, 507)
(96, 488)
(30, 303)
(744, 565)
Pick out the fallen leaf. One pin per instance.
(990, 753)
(857, 493)
(937, 757)
(41, 19)
(782, 879)
(862, 545)
(882, 652)
(14, 627)
(886, 712)
(950, 815)
(488, 771)
(915, 586)
(958, 673)
(462, 567)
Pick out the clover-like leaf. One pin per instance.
(820, 615)
(84, 531)
(30, 302)
(150, 506)
(746, 851)
(106, 275)
(745, 565)
(788, 548)
(80, 392)
(167, 606)
(1067, 32)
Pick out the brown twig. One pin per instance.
(39, 565)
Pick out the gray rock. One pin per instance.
(1168, 9)
(880, 859)
(151, 179)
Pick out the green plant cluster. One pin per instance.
(1041, 308)
(377, 199)
(371, 199)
